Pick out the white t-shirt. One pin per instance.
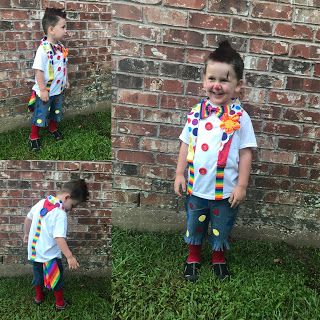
(41, 62)
(53, 224)
(206, 160)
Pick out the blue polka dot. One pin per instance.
(189, 129)
(238, 107)
(43, 212)
(224, 136)
(196, 115)
(195, 131)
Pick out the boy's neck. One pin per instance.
(51, 39)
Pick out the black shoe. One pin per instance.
(191, 271)
(37, 302)
(221, 270)
(57, 135)
(35, 144)
(61, 308)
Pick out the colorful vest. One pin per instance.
(230, 122)
(50, 50)
(51, 271)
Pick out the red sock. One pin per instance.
(34, 134)
(58, 294)
(218, 257)
(194, 253)
(39, 293)
(53, 126)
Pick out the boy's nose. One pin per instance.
(217, 86)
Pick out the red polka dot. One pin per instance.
(191, 205)
(58, 81)
(58, 57)
(204, 147)
(216, 212)
(59, 69)
(202, 171)
(209, 126)
(189, 120)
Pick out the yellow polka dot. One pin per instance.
(39, 121)
(215, 232)
(202, 218)
(49, 109)
(57, 111)
(187, 233)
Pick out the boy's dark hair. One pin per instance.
(51, 18)
(225, 53)
(78, 190)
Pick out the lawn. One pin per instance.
(269, 281)
(90, 298)
(85, 137)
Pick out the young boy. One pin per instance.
(217, 143)
(51, 79)
(45, 232)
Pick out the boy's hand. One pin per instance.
(67, 85)
(179, 181)
(25, 238)
(44, 95)
(73, 263)
(238, 195)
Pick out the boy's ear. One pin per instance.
(240, 84)
(50, 29)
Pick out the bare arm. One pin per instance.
(44, 95)
(63, 246)
(239, 193)
(27, 226)
(181, 167)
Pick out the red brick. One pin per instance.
(190, 38)
(125, 47)
(311, 132)
(303, 84)
(124, 112)
(252, 27)
(272, 11)
(97, 7)
(177, 102)
(197, 55)
(142, 129)
(206, 21)
(316, 72)
(277, 156)
(271, 183)
(163, 85)
(268, 47)
(291, 99)
(157, 172)
(293, 31)
(156, 145)
(161, 116)
(13, 15)
(304, 51)
(156, 199)
(195, 88)
(164, 53)
(125, 142)
(140, 32)
(167, 159)
(193, 4)
(296, 145)
(302, 116)
(256, 63)
(137, 97)
(306, 15)
(169, 132)
(234, 7)
(127, 11)
(283, 129)
(167, 16)
(309, 160)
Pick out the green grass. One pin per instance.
(147, 281)
(90, 298)
(85, 137)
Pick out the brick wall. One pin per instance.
(158, 52)
(24, 183)
(88, 25)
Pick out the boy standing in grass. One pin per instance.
(45, 232)
(51, 78)
(217, 143)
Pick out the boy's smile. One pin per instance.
(221, 83)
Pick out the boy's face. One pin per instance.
(221, 83)
(69, 203)
(59, 31)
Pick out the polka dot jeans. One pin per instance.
(50, 110)
(202, 211)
